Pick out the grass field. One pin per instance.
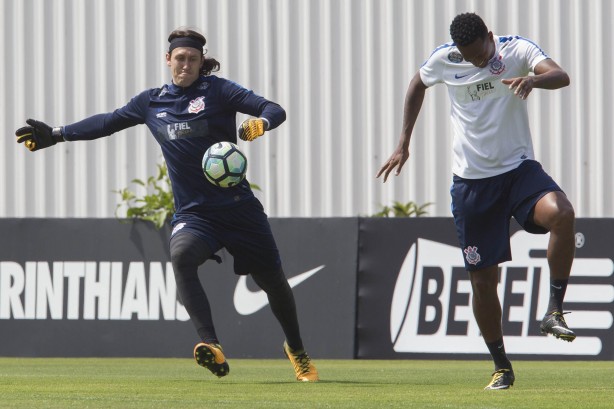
(180, 383)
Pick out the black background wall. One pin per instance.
(414, 298)
(35, 251)
(378, 288)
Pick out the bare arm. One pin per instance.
(413, 103)
(548, 75)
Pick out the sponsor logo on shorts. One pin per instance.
(471, 255)
(177, 228)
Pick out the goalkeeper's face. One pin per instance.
(185, 63)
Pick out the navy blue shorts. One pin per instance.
(482, 209)
(244, 231)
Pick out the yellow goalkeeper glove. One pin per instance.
(251, 129)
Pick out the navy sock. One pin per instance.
(187, 253)
(497, 351)
(282, 304)
(557, 294)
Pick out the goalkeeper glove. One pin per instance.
(251, 129)
(38, 135)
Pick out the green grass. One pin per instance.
(180, 383)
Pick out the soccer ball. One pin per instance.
(224, 164)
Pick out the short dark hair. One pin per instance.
(210, 64)
(466, 28)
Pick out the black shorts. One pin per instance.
(244, 231)
(482, 209)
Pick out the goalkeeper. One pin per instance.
(186, 117)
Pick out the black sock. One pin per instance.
(557, 293)
(187, 253)
(497, 351)
(283, 306)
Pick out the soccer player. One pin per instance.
(495, 174)
(186, 117)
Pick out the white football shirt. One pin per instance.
(490, 123)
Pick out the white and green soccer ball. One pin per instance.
(224, 164)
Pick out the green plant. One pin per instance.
(399, 209)
(157, 206)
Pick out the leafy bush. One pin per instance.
(156, 206)
(399, 209)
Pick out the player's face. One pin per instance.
(480, 51)
(185, 63)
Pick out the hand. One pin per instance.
(38, 135)
(252, 128)
(522, 86)
(396, 160)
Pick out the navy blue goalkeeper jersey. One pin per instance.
(186, 122)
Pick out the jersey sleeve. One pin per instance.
(431, 71)
(533, 53)
(100, 125)
(246, 101)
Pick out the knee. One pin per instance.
(188, 251)
(556, 214)
(179, 252)
(566, 215)
(563, 220)
(180, 257)
(484, 285)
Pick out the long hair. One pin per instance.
(210, 64)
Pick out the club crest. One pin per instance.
(471, 255)
(496, 66)
(196, 105)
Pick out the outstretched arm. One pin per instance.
(413, 103)
(548, 75)
(38, 135)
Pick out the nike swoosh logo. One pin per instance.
(248, 302)
(558, 288)
(458, 77)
